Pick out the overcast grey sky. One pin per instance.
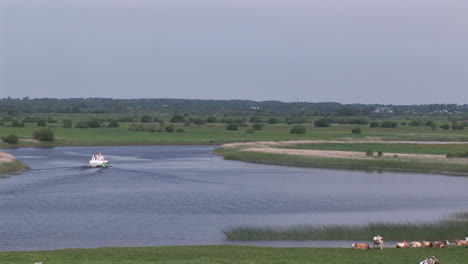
(348, 51)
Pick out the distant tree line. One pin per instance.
(215, 107)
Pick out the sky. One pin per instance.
(347, 51)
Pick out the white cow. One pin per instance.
(378, 241)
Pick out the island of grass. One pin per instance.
(9, 164)
(369, 155)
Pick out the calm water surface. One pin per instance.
(183, 195)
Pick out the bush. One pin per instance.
(295, 120)
(211, 119)
(322, 123)
(113, 123)
(180, 130)
(249, 130)
(445, 127)
(356, 130)
(178, 118)
(380, 154)
(369, 153)
(41, 123)
(298, 129)
(67, 123)
(257, 126)
(146, 119)
(232, 126)
(273, 121)
(170, 128)
(389, 124)
(256, 119)
(374, 124)
(11, 139)
(44, 134)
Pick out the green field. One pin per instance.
(234, 254)
(212, 133)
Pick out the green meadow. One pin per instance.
(234, 254)
(207, 133)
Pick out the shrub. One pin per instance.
(273, 121)
(232, 126)
(249, 130)
(295, 120)
(11, 139)
(369, 153)
(298, 129)
(178, 118)
(256, 119)
(445, 126)
(356, 130)
(211, 119)
(389, 124)
(374, 124)
(257, 126)
(170, 128)
(82, 124)
(197, 121)
(380, 154)
(323, 122)
(44, 134)
(67, 123)
(113, 123)
(41, 123)
(146, 119)
(180, 130)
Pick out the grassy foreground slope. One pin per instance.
(234, 254)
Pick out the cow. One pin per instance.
(438, 244)
(378, 241)
(402, 245)
(460, 242)
(427, 244)
(431, 260)
(415, 244)
(361, 246)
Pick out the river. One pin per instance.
(184, 195)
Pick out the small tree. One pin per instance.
(298, 129)
(170, 128)
(44, 134)
(445, 126)
(356, 130)
(211, 119)
(11, 139)
(178, 118)
(374, 124)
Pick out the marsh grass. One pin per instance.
(440, 230)
(12, 167)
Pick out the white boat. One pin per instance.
(98, 160)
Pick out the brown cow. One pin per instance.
(415, 244)
(460, 242)
(361, 246)
(427, 243)
(438, 244)
(402, 245)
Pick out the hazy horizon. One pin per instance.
(348, 51)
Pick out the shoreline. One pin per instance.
(286, 153)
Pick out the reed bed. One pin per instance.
(12, 167)
(440, 230)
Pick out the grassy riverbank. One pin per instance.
(410, 157)
(233, 254)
